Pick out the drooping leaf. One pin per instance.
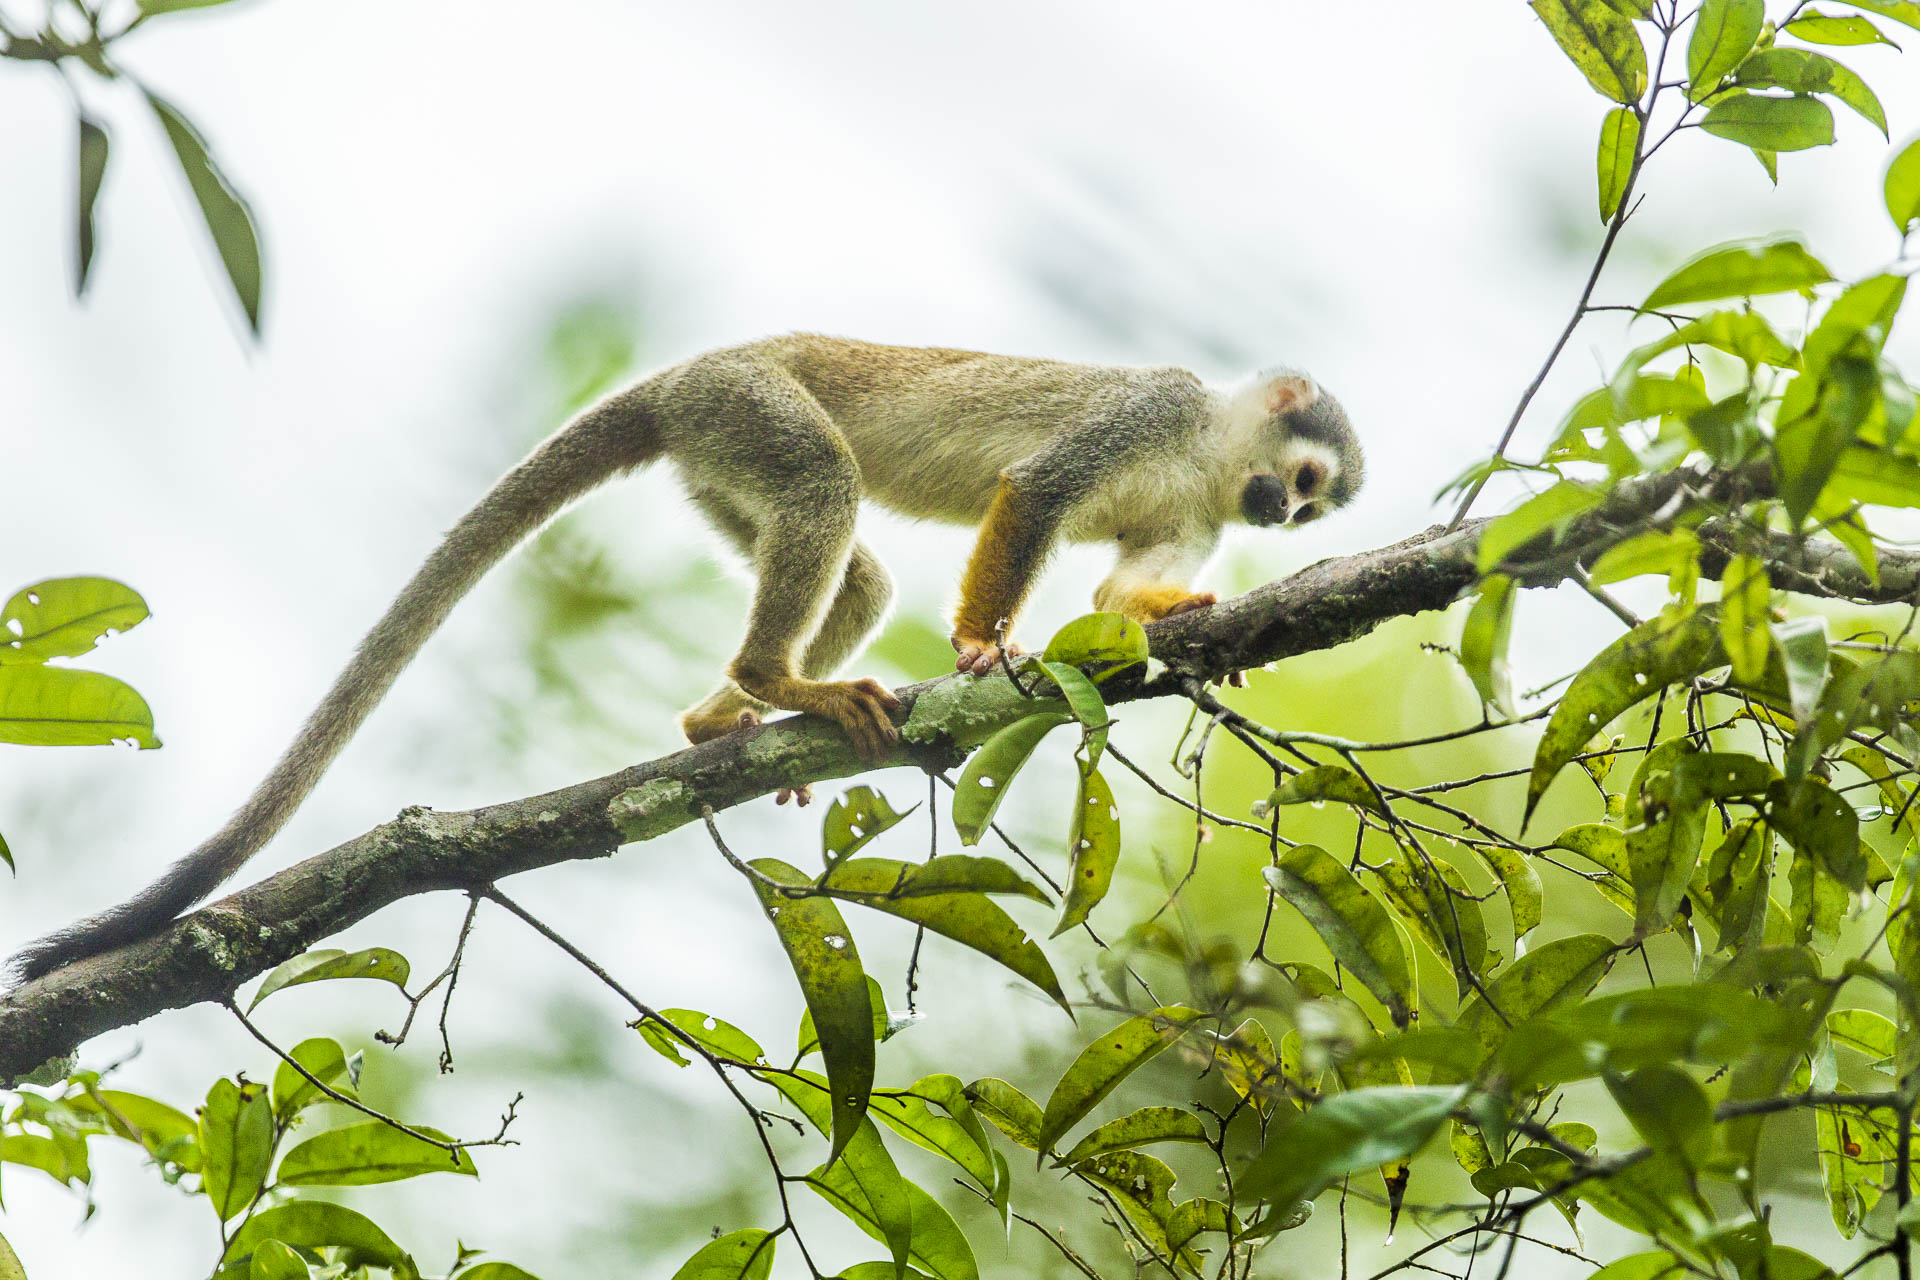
(1862, 315)
(807, 1039)
(1724, 33)
(1902, 187)
(1744, 596)
(1344, 1134)
(1104, 1063)
(1141, 1186)
(1251, 1066)
(983, 784)
(326, 1061)
(738, 1255)
(939, 1247)
(1601, 42)
(324, 964)
(1350, 921)
(1441, 910)
(967, 916)
(229, 221)
(1770, 124)
(1483, 643)
(1619, 146)
(1802, 646)
(1088, 707)
(915, 1121)
(852, 820)
(1526, 898)
(1093, 845)
(718, 1037)
(64, 707)
(1011, 1111)
(866, 1186)
(236, 1145)
(1663, 849)
(820, 948)
(1634, 667)
(167, 1133)
(1741, 269)
(315, 1224)
(1817, 820)
(92, 169)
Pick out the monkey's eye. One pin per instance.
(1306, 480)
(1304, 514)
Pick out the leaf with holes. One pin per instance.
(983, 784)
(807, 1039)
(61, 707)
(853, 819)
(1104, 1063)
(324, 964)
(1111, 640)
(1137, 1129)
(820, 948)
(1526, 898)
(1817, 820)
(722, 1039)
(966, 916)
(1351, 921)
(950, 873)
(1635, 667)
(1093, 844)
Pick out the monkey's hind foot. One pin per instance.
(981, 656)
(700, 726)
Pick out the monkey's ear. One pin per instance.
(1288, 393)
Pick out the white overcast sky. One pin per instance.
(1393, 195)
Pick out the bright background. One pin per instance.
(474, 213)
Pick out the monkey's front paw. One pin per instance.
(980, 656)
(1197, 601)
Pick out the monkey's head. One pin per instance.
(1298, 455)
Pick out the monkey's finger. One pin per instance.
(879, 691)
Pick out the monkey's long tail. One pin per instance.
(615, 436)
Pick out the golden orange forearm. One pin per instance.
(1000, 569)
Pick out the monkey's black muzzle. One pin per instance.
(1264, 501)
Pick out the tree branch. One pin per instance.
(208, 954)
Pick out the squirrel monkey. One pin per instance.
(777, 441)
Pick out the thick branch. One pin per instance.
(206, 955)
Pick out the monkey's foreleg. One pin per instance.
(1012, 544)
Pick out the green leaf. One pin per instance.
(275, 1261)
(1770, 124)
(63, 707)
(807, 1040)
(1011, 1111)
(1663, 850)
(1902, 187)
(948, 874)
(1802, 646)
(820, 948)
(1554, 974)
(1745, 594)
(324, 964)
(738, 1255)
(1104, 1063)
(1142, 1187)
(1352, 923)
(92, 170)
(1547, 511)
(967, 917)
(939, 1247)
(167, 1133)
(1607, 848)
(1723, 35)
(314, 1224)
(1737, 879)
(1863, 314)
(1105, 638)
(1088, 707)
(867, 1187)
(1635, 667)
(362, 1154)
(1344, 1134)
(327, 1062)
(1656, 551)
(175, 6)
(1483, 643)
(852, 820)
(1526, 899)
(983, 784)
(1441, 910)
(236, 1145)
(1865, 1032)
(1619, 147)
(1899, 10)
(1874, 477)
(1601, 42)
(1323, 782)
(1136, 1129)
(912, 1119)
(1816, 27)
(1743, 334)
(1094, 846)
(1804, 71)
(1817, 820)
(720, 1038)
(228, 219)
(1742, 269)
(1669, 1109)
(1851, 1166)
